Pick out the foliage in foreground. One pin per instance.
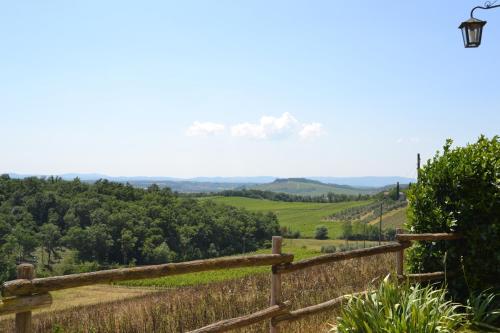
(394, 308)
(484, 310)
(459, 191)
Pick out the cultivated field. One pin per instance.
(393, 219)
(299, 216)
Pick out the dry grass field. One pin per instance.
(183, 309)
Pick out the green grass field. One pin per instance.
(299, 216)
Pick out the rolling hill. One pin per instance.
(304, 186)
(297, 216)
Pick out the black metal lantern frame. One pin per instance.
(472, 29)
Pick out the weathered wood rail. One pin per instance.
(22, 287)
(27, 293)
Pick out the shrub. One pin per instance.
(394, 308)
(328, 249)
(484, 309)
(287, 232)
(321, 232)
(459, 191)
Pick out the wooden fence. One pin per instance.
(28, 293)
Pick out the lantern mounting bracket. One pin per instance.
(487, 5)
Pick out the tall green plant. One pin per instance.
(396, 308)
(484, 310)
(459, 191)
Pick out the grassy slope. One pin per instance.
(299, 216)
(308, 188)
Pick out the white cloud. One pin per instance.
(268, 127)
(412, 140)
(204, 129)
(311, 131)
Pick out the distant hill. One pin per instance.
(304, 186)
(185, 186)
(368, 181)
(240, 180)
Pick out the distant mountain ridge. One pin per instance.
(365, 181)
(313, 186)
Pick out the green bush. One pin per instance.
(394, 308)
(321, 232)
(328, 249)
(459, 191)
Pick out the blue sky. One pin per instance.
(240, 88)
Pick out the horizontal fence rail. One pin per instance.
(422, 277)
(340, 256)
(230, 324)
(25, 303)
(314, 309)
(427, 237)
(27, 293)
(35, 286)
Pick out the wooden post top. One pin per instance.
(25, 271)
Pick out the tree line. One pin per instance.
(108, 223)
(329, 197)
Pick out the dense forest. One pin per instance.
(109, 223)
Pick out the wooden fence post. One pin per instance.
(400, 257)
(275, 282)
(23, 319)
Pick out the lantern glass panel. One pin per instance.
(464, 36)
(474, 34)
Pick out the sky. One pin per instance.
(241, 88)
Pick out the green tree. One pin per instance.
(21, 243)
(50, 236)
(127, 244)
(346, 230)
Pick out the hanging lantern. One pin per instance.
(472, 31)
